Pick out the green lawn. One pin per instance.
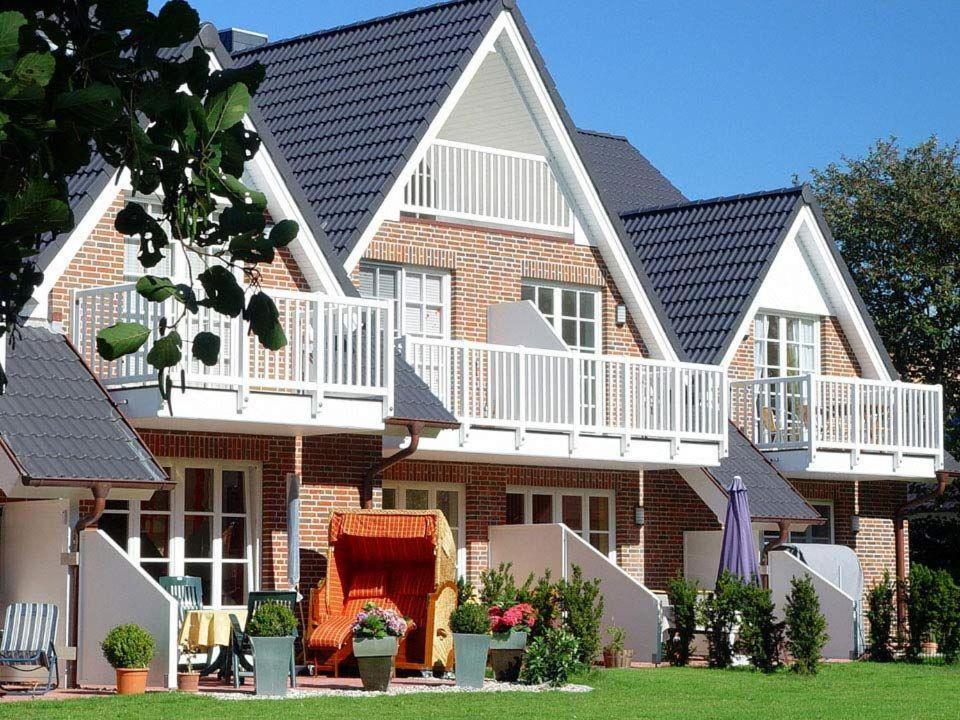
(861, 691)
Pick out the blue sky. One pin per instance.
(723, 97)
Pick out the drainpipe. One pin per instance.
(100, 492)
(899, 516)
(781, 540)
(366, 494)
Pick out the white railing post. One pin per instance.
(522, 393)
(576, 400)
(317, 355)
(855, 422)
(243, 366)
(677, 410)
(627, 405)
(938, 423)
(389, 360)
(464, 394)
(813, 427)
(898, 416)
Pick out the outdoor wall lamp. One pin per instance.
(854, 524)
(638, 515)
(621, 315)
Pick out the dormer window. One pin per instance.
(785, 346)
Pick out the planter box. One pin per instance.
(271, 664)
(375, 660)
(506, 655)
(470, 659)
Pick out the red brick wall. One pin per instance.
(485, 487)
(99, 261)
(487, 267)
(671, 507)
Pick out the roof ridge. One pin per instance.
(364, 23)
(790, 190)
(600, 133)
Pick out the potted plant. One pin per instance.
(189, 679)
(471, 643)
(272, 630)
(376, 635)
(509, 627)
(129, 650)
(615, 654)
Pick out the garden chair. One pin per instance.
(242, 647)
(404, 560)
(29, 633)
(188, 592)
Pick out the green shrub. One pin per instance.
(470, 619)
(500, 588)
(949, 621)
(683, 596)
(272, 620)
(551, 658)
(618, 639)
(806, 626)
(582, 606)
(128, 646)
(545, 599)
(761, 636)
(466, 592)
(924, 600)
(880, 617)
(719, 615)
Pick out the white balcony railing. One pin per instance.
(840, 413)
(477, 183)
(529, 389)
(335, 346)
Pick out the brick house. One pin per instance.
(572, 341)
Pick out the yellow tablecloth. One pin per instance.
(205, 629)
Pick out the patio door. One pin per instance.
(449, 498)
(589, 513)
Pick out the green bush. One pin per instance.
(880, 617)
(806, 626)
(761, 636)
(545, 599)
(582, 606)
(924, 600)
(551, 658)
(128, 646)
(683, 596)
(618, 639)
(500, 588)
(272, 620)
(466, 592)
(948, 629)
(470, 619)
(719, 616)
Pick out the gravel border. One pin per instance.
(403, 689)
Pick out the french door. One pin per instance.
(449, 498)
(589, 513)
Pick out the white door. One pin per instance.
(449, 498)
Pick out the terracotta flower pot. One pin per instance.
(617, 659)
(188, 682)
(131, 681)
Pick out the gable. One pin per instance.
(793, 284)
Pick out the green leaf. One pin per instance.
(239, 193)
(93, 106)
(156, 289)
(283, 233)
(121, 339)
(224, 294)
(10, 24)
(34, 69)
(263, 316)
(35, 208)
(176, 23)
(206, 348)
(250, 75)
(227, 107)
(165, 352)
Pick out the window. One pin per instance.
(201, 528)
(589, 513)
(421, 297)
(785, 346)
(446, 497)
(573, 312)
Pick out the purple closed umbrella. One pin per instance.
(738, 553)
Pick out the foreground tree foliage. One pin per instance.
(112, 78)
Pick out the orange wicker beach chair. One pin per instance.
(400, 559)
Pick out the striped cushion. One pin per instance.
(367, 584)
(332, 632)
(412, 580)
(28, 629)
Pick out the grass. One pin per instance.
(858, 690)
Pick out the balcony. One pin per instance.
(814, 425)
(563, 405)
(336, 371)
(479, 184)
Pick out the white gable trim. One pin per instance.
(504, 37)
(805, 232)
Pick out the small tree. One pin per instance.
(880, 616)
(582, 606)
(924, 600)
(683, 597)
(761, 636)
(806, 626)
(719, 613)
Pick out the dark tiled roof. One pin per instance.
(950, 463)
(705, 260)
(770, 494)
(413, 400)
(58, 421)
(623, 176)
(348, 105)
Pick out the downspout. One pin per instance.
(366, 493)
(90, 520)
(781, 540)
(899, 516)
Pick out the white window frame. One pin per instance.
(558, 317)
(400, 489)
(528, 491)
(401, 302)
(177, 542)
(760, 341)
(806, 535)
